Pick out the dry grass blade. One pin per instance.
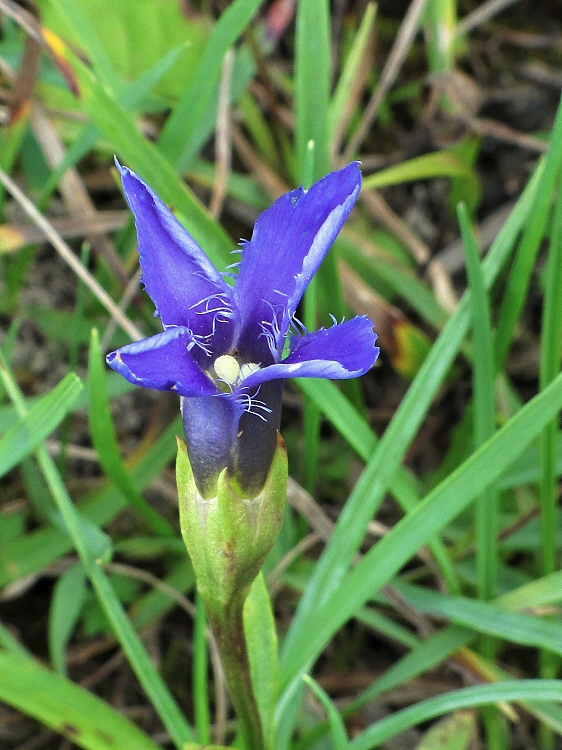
(395, 59)
(223, 144)
(381, 211)
(440, 279)
(15, 236)
(274, 583)
(71, 187)
(68, 256)
(482, 14)
(128, 295)
(501, 132)
(268, 179)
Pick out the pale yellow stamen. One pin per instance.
(227, 369)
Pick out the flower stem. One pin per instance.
(228, 627)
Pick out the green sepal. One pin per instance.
(228, 536)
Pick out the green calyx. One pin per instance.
(229, 536)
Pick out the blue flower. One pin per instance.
(225, 350)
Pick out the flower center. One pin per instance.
(230, 373)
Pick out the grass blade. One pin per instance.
(104, 439)
(140, 661)
(370, 489)
(67, 708)
(181, 127)
(386, 558)
(480, 695)
(533, 233)
(26, 434)
(484, 408)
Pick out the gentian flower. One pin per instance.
(225, 350)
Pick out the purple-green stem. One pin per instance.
(228, 628)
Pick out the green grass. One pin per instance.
(473, 548)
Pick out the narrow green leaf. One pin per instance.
(487, 617)
(104, 439)
(68, 597)
(261, 639)
(30, 431)
(81, 717)
(370, 489)
(483, 408)
(182, 124)
(549, 367)
(437, 164)
(445, 502)
(520, 273)
(337, 728)
(480, 695)
(312, 84)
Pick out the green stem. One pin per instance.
(228, 627)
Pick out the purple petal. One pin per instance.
(185, 287)
(342, 351)
(221, 433)
(163, 362)
(288, 245)
(210, 426)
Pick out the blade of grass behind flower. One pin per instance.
(26, 434)
(104, 438)
(149, 678)
(549, 368)
(484, 407)
(479, 695)
(40, 548)
(534, 231)
(312, 85)
(142, 156)
(81, 717)
(370, 489)
(312, 71)
(443, 504)
(182, 124)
